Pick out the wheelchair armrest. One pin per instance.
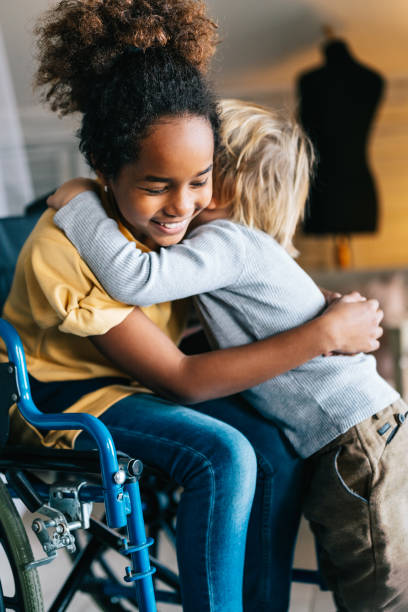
(114, 503)
(22, 395)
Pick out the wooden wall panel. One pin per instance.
(388, 154)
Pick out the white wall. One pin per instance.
(51, 145)
(17, 18)
(15, 180)
(264, 42)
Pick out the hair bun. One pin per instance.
(81, 39)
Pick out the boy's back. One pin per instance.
(324, 397)
(247, 288)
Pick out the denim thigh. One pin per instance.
(281, 482)
(216, 466)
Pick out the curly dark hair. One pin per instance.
(124, 64)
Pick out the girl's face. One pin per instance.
(170, 183)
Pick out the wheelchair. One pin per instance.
(78, 480)
(61, 486)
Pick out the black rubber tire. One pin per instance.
(14, 540)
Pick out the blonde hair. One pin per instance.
(262, 169)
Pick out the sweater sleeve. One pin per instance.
(211, 257)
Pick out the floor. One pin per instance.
(304, 598)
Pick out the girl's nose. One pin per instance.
(181, 205)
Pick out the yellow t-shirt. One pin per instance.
(55, 303)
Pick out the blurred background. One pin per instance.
(265, 46)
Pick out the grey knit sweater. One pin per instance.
(247, 288)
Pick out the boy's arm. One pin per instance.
(207, 260)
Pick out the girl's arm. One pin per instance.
(211, 258)
(138, 347)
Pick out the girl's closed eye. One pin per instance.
(151, 191)
(198, 184)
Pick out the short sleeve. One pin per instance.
(63, 291)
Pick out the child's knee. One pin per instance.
(233, 460)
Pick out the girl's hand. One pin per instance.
(353, 323)
(69, 190)
(329, 295)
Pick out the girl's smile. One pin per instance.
(173, 227)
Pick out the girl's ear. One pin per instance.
(102, 180)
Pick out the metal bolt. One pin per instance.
(119, 477)
(60, 528)
(135, 468)
(74, 525)
(128, 571)
(14, 397)
(36, 527)
(10, 369)
(58, 494)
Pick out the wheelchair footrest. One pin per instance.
(132, 577)
(128, 550)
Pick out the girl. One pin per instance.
(338, 410)
(133, 69)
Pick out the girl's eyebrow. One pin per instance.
(205, 171)
(162, 179)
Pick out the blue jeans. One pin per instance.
(212, 450)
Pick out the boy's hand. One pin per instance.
(354, 324)
(333, 296)
(69, 190)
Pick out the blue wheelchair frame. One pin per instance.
(120, 487)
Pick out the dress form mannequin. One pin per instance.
(337, 106)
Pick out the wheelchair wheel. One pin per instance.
(25, 595)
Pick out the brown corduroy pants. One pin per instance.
(357, 505)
